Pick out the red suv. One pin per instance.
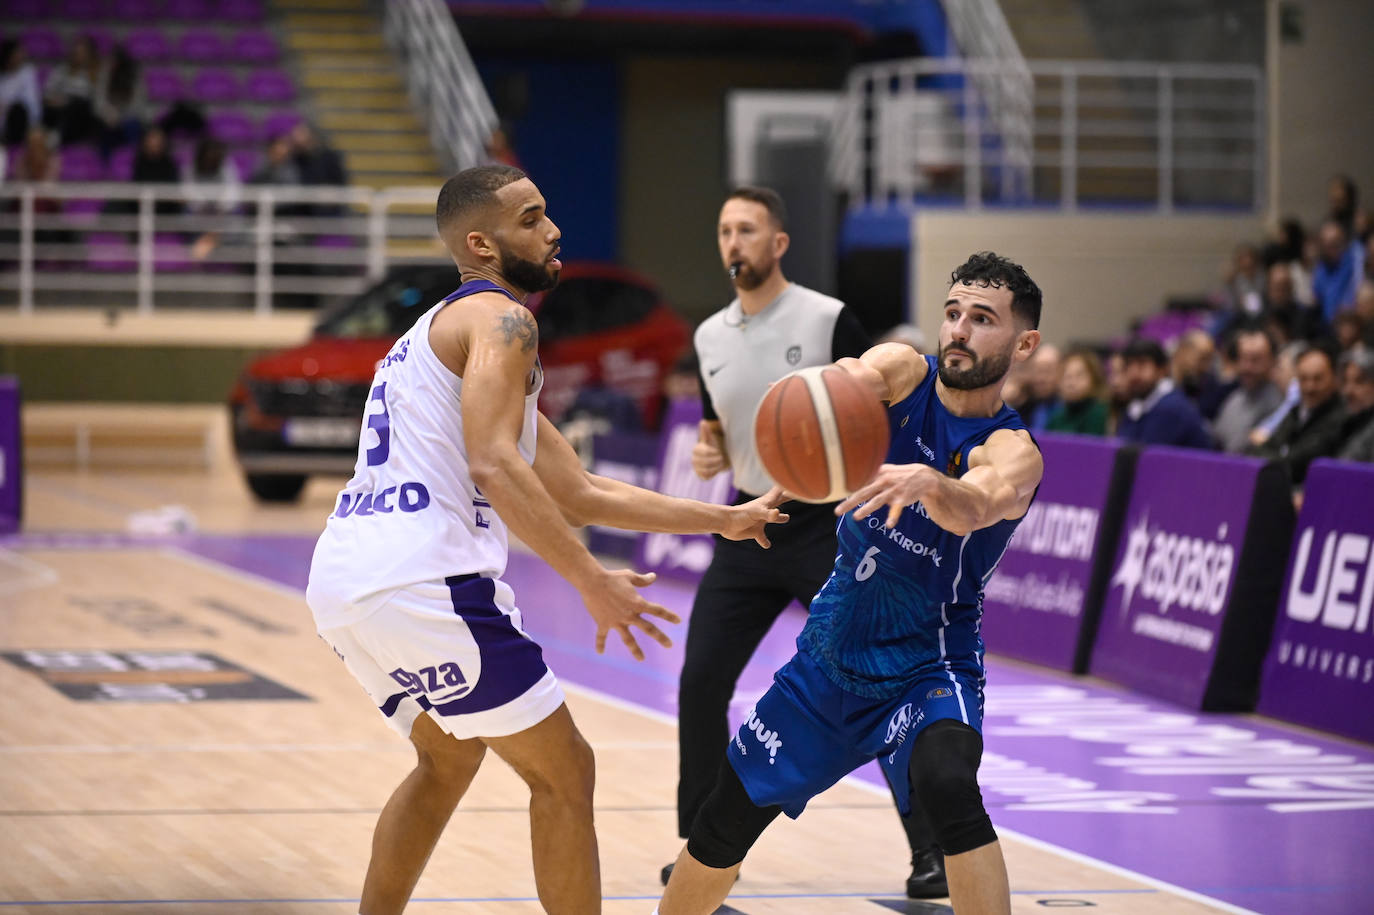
(603, 331)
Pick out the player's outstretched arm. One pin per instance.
(890, 370)
(501, 354)
(585, 498)
(1001, 479)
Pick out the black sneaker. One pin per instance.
(667, 872)
(927, 880)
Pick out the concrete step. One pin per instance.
(356, 60)
(352, 79)
(350, 141)
(402, 162)
(363, 120)
(338, 100)
(397, 179)
(332, 22)
(334, 41)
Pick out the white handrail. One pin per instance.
(281, 239)
(443, 80)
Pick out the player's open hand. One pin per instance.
(747, 521)
(895, 486)
(616, 604)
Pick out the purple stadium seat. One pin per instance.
(256, 46)
(83, 212)
(42, 43)
(149, 46)
(170, 254)
(26, 9)
(104, 40)
(81, 163)
(246, 161)
(278, 123)
(135, 10)
(213, 85)
(270, 86)
(233, 127)
(190, 10)
(240, 10)
(110, 252)
(121, 167)
(164, 84)
(82, 11)
(202, 46)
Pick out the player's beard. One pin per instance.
(983, 371)
(526, 275)
(749, 279)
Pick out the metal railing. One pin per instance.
(143, 244)
(1161, 135)
(443, 81)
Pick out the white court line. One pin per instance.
(664, 718)
(857, 782)
(32, 573)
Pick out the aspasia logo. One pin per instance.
(1175, 569)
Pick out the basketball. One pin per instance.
(820, 433)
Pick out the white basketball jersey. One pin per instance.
(411, 512)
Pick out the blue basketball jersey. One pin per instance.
(903, 602)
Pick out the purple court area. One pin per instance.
(1250, 813)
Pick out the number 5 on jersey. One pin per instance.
(381, 424)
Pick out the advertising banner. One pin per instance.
(1042, 603)
(682, 555)
(631, 457)
(1320, 667)
(11, 457)
(1193, 590)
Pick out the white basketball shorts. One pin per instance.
(453, 649)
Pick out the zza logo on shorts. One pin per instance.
(940, 692)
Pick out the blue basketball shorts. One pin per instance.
(806, 733)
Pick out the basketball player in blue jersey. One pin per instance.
(406, 580)
(890, 663)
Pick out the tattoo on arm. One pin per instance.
(517, 324)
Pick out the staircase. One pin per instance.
(354, 90)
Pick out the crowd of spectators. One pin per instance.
(100, 101)
(1280, 365)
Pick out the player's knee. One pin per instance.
(944, 776)
(729, 823)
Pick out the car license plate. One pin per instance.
(321, 432)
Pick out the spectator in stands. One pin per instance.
(1364, 307)
(69, 93)
(1194, 373)
(1284, 315)
(1118, 392)
(1288, 245)
(1342, 201)
(318, 164)
(500, 148)
(1159, 413)
(120, 102)
(1357, 392)
(1244, 280)
(40, 162)
(211, 171)
(19, 103)
(1255, 397)
(1082, 404)
(279, 166)
(153, 164)
(1337, 275)
(1312, 429)
(1286, 380)
(1348, 329)
(1041, 380)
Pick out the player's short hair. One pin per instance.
(471, 190)
(988, 269)
(1144, 350)
(766, 197)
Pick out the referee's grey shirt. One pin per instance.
(740, 355)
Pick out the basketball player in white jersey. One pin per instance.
(405, 583)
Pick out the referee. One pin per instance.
(771, 328)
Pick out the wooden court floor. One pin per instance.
(267, 806)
